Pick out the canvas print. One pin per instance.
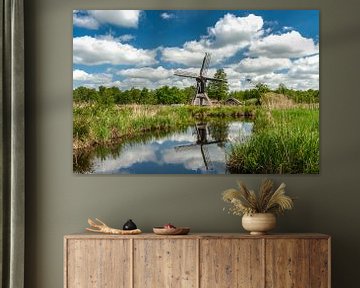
(196, 92)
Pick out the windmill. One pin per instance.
(201, 130)
(201, 98)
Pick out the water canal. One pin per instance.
(197, 149)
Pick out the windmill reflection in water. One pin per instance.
(201, 130)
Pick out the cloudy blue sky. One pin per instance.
(132, 48)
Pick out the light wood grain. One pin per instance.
(287, 263)
(88, 235)
(98, 264)
(319, 263)
(231, 263)
(66, 262)
(205, 260)
(165, 263)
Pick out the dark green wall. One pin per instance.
(59, 202)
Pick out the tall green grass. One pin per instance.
(284, 141)
(99, 124)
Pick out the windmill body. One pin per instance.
(201, 98)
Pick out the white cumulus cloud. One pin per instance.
(274, 79)
(122, 18)
(147, 73)
(262, 64)
(288, 45)
(135, 154)
(88, 50)
(229, 35)
(97, 78)
(236, 30)
(288, 58)
(167, 16)
(126, 37)
(85, 21)
(306, 66)
(92, 19)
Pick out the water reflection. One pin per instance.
(218, 135)
(197, 149)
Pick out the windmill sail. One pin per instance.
(185, 74)
(205, 64)
(215, 79)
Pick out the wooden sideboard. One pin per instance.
(197, 260)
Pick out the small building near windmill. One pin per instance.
(233, 101)
(215, 102)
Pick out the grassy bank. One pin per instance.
(101, 124)
(284, 141)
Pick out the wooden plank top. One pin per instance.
(88, 235)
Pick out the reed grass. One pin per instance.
(100, 124)
(284, 141)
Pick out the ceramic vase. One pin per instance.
(259, 223)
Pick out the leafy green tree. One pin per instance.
(166, 95)
(147, 97)
(135, 95)
(188, 94)
(113, 93)
(105, 96)
(177, 96)
(124, 98)
(251, 94)
(282, 89)
(218, 89)
(219, 130)
(169, 95)
(239, 95)
(85, 94)
(262, 89)
(162, 95)
(255, 94)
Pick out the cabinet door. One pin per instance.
(320, 263)
(98, 263)
(165, 263)
(288, 263)
(231, 263)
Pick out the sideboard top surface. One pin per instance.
(87, 235)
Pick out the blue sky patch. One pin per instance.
(117, 47)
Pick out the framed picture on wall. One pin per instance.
(196, 92)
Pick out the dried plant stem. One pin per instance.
(101, 227)
(245, 201)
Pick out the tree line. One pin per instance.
(299, 96)
(166, 95)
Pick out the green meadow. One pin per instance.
(284, 140)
